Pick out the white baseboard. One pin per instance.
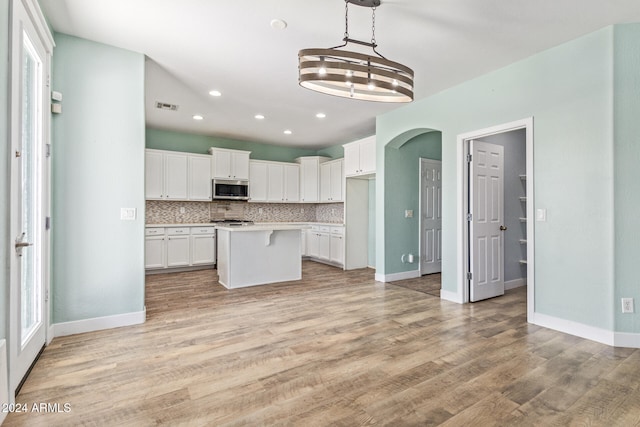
(625, 339)
(574, 328)
(450, 296)
(516, 283)
(99, 323)
(393, 277)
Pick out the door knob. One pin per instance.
(503, 228)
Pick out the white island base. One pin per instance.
(257, 255)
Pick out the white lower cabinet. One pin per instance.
(178, 247)
(154, 248)
(303, 242)
(325, 243)
(203, 246)
(175, 247)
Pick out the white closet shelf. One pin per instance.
(523, 199)
(522, 219)
(523, 261)
(523, 177)
(523, 241)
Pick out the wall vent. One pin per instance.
(165, 106)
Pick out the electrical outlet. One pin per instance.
(408, 213)
(260, 211)
(182, 209)
(627, 305)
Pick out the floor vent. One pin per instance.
(165, 106)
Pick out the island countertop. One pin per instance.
(262, 227)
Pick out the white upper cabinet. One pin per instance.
(274, 181)
(171, 175)
(165, 175)
(257, 181)
(199, 177)
(310, 178)
(291, 183)
(331, 181)
(229, 164)
(360, 157)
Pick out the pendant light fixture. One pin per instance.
(369, 77)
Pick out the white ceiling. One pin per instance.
(194, 46)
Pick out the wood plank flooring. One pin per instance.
(336, 348)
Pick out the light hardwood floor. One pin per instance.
(335, 349)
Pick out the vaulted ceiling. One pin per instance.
(196, 46)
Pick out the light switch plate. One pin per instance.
(127, 214)
(408, 213)
(541, 215)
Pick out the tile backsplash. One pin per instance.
(164, 212)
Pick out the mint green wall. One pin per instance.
(335, 151)
(98, 167)
(371, 240)
(404, 184)
(626, 160)
(569, 91)
(4, 169)
(191, 143)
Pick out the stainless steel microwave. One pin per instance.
(230, 189)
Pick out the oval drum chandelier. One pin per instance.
(369, 77)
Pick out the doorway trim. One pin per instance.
(463, 206)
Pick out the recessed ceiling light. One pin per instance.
(259, 116)
(287, 132)
(278, 24)
(321, 115)
(198, 117)
(215, 93)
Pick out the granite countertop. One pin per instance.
(264, 227)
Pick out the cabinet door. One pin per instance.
(240, 165)
(324, 246)
(313, 244)
(352, 159)
(309, 180)
(258, 181)
(154, 252)
(175, 181)
(325, 182)
(367, 156)
(337, 249)
(336, 181)
(153, 175)
(291, 183)
(275, 182)
(221, 164)
(177, 251)
(199, 178)
(203, 249)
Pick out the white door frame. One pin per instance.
(463, 206)
(28, 11)
(421, 161)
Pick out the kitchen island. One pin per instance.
(259, 254)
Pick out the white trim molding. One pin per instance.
(574, 328)
(626, 339)
(451, 296)
(393, 277)
(99, 323)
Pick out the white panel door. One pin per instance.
(324, 246)
(368, 155)
(309, 180)
(337, 249)
(336, 180)
(221, 164)
(431, 216)
(313, 243)
(325, 182)
(203, 249)
(352, 159)
(176, 176)
(30, 190)
(486, 246)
